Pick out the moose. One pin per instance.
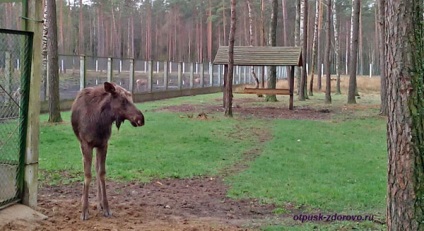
(93, 112)
(141, 83)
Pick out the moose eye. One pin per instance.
(124, 102)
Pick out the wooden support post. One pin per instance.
(33, 10)
(149, 76)
(82, 72)
(131, 83)
(109, 69)
(180, 75)
(191, 74)
(202, 75)
(165, 75)
(291, 82)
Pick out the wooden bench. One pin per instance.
(265, 91)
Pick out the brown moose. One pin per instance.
(141, 83)
(93, 113)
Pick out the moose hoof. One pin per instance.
(84, 216)
(107, 213)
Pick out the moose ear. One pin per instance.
(109, 87)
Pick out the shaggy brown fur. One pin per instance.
(94, 111)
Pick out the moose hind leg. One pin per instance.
(87, 153)
(99, 194)
(101, 173)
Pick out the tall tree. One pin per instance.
(381, 48)
(336, 46)
(229, 76)
(319, 49)
(272, 78)
(297, 41)
(314, 46)
(405, 128)
(284, 16)
(53, 70)
(304, 43)
(353, 60)
(252, 68)
(81, 30)
(327, 55)
(44, 52)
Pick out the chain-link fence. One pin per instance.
(14, 96)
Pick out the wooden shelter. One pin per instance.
(264, 56)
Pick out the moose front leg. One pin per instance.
(87, 153)
(100, 176)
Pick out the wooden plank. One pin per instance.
(261, 56)
(266, 91)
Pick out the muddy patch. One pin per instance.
(170, 204)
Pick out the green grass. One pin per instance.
(314, 166)
(325, 165)
(169, 145)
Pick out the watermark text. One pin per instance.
(331, 217)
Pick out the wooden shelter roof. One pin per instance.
(261, 56)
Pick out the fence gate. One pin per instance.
(15, 71)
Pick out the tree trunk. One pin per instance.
(327, 55)
(262, 42)
(381, 48)
(405, 127)
(272, 77)
(360, 45)
(336, 47)
(54, 102)
(61, 27)
(252, 68)
(297, 42)
(81, 30)
(229, 76)
(319, 49)
(284, 21)
(44, 53)
(353, 51)
(304, 42)
(209, 32)
(314, 46)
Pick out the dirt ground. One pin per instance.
(245, 107)
(172, 204)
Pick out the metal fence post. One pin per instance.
(109, 69)
(131, 83)
(202, 75)
(165, 75)
(191, 74)
(210, 74)
(149, 75)
(180, 75)
(82, 72)
(219, 75)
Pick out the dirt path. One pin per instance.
(173, 204)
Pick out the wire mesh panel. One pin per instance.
(15, 70)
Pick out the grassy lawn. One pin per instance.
(310, 167)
